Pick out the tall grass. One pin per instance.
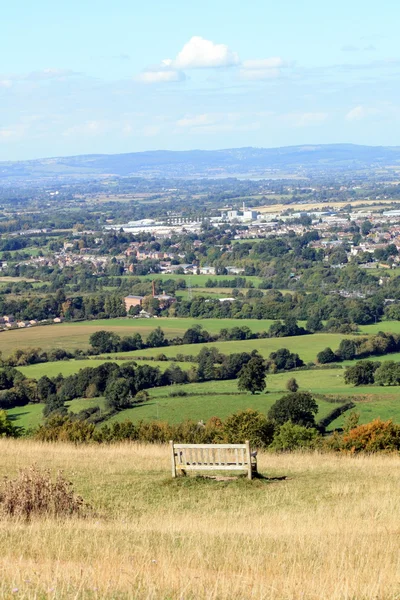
(330, 529)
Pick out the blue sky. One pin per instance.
(105, 77)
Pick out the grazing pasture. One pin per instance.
(73, 336)
(70, 367)
(154, 537)
(307, 346)
(222, 398)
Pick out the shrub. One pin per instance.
(291, 437)
(63, 428)
(372, 437)
(142, 396)
(334, 414)
(33, 493)
(248, 425)
(292, 385)
(7, 429)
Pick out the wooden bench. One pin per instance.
(213, 457)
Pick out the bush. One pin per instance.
(326, 356)
(291, 437)
(64, 429)
(248, 425)
(33, 493)
(372, 437)
(7, 429)
(334, 414)
(142, 396)
(178, 394)
(292, 385)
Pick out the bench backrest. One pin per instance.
(206, 457)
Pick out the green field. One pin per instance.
(221, 398)
(387, 326)
(70, 367)
(73, 336)
(195, 280)
(307, 346)
(31, 416)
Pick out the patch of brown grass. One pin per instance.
(34, 493)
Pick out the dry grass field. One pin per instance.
(277, 208)
(330, 529)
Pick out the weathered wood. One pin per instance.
(213, 457)
(171, 445)
(206, 446)
(248, 452)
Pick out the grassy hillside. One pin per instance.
(318, 526)
(70, 367)
(72, 336)
(222, 398)
(307, 346)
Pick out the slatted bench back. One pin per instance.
(206, 457)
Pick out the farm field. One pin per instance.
(70, 367)
(278, 208)
(387, 326)
(307, 346)
(222, 398)
(31, 415)
(73, 336)
(154, 537)
(195, 280)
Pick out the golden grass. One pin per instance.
(330, 530)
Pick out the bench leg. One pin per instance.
(249, 470)
(171, 445)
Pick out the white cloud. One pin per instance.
(5, 83)
(217, 122)
(305, 119)
(197, 121)
(265, 68)
(50, 74)
(259, 74)
(87, 128)
(199, 53)
(161, 75)
(360, 112)
(274, 62)
(11, 133)
(151, 130)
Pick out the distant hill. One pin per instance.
(242, 162)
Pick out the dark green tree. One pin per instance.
(118, 394)
(252, 375)
(104, 341)
(156, 338)
(297, 407)
(45, 388)
(326, 356)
